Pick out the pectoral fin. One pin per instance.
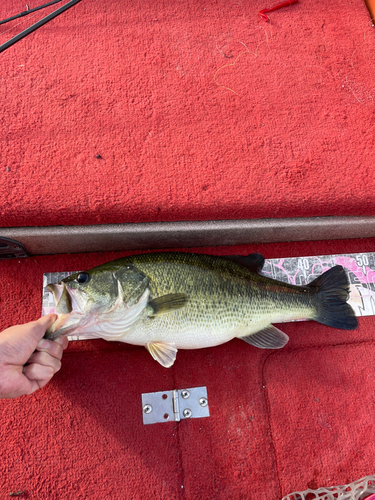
(167, 303)
(268, 338)
(163, 353)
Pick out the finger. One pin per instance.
(63, 341)
(37, 329)
(43, 358)
(52, 348)
(47, 321)
(26, 387)
(40, 373)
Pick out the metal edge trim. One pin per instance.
(158, 235)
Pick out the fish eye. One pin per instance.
(83, 278)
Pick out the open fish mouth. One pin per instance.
(74, 319)
(66, 299)
(67, 309)
(63, 303)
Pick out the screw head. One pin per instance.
(147, 409)
(203, 402)
(185, 394)
(187, 413)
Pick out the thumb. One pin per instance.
(23, 339)
(47, 321)
(41, 326)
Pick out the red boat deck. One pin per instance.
(199, 111)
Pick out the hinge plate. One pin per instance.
(176, 405)
(11, 249)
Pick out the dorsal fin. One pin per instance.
(254, 262)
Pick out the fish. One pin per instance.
(166, 301)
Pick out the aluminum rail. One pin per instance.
(163, 235)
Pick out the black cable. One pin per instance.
(28, 11)
(37, 25)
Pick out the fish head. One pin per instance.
(96, 295)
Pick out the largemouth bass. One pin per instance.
(170, 301)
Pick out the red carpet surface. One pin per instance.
(198, 111)
(123, 111)
(281, 421)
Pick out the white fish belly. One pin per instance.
(208, 330)
(192, 333)
(187, 338)
(176, 329)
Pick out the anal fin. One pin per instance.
(163, 353)
(268, 338)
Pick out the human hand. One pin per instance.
(27, 361)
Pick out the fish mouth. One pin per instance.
(63, 302)
(67, 311)
(61, 327)
(75, 319)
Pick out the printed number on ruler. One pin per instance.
(360, 269)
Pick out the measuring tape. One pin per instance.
(359, 267)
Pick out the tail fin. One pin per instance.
(332, 292)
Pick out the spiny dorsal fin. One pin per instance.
(254, 262)
(163, 353)
(167, 303)
(268, 338)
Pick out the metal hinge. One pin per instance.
(176, 405)
(11, 249)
